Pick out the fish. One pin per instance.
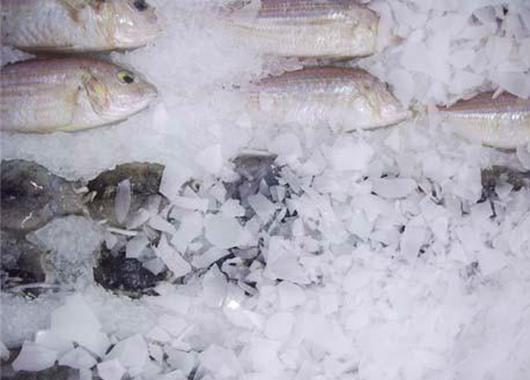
(500, 122)
(77, 25)
(345, 99)
(122, 275)
(309, 28)
(144, 179)
(70, 94)
(21, 263)
(31, 196)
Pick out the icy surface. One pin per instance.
(373, 257)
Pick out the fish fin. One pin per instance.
(97, 92)
(74, 7)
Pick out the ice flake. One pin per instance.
(209, 257)
(76, 322)
(111, 370)
(231, 208)
(224, 232)
(261, 206)
(78, 358)
(131, 353)
(185, 361)
(172, 258)
(122, 204)
(34, 357)
(214, 287)
(172, 324)
(158, 334)
(393, 188)
(221, 362)
(189, 203)
(279, 325)
(412, 239)
(282, 263)
(160, 224)
(264, 355)
(290, 295)
(190, 228)
(48, 339)
(135, 246)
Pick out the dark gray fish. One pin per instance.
(495, 175)
(31, 196)
(21, 263)
(145, 181)
(123, 275)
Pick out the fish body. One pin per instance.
(345, 99)
(501, 122)
(308, 28)
(71, 94)
(76, 25)
(144, 178)
(31, 196)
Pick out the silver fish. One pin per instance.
(309, 28)
(345, 99)
(70, 94)
(77, 25)
(31, 196)
(501, 122)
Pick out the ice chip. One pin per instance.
(290, 295)
(347, 155)
(223, 232)
(220, 361)
(393, 188)
(279, 325)
(122, 203)
(172, 258)
(34, 357)
(78, 358)
(131, 353)
(111, 370)
(261, 206)
(135, 246)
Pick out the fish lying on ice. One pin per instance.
(501, 122)
(346, 99)
(308, 28)
(68, 95)
(144, 180)
(77, 25)
(31, 196)
(21, 262)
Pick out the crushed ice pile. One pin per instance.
(374, 257)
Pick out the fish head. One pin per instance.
(116, 93)
(134, 23)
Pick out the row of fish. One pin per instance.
(74, 94)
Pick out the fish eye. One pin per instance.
(140, 5)
(126, 77)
